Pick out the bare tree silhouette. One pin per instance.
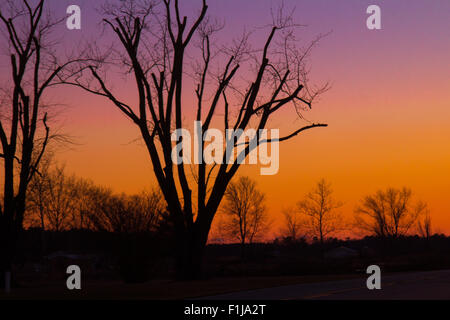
(246, 211)
(388, 213)
(319, 210)
(125, 213)
(24, 127)
(56, 200)
(424, 226)
(155, 44)
(293, 226)
(35, 215)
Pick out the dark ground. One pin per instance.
(430, 285)
(139, 266)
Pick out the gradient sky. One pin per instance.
(388, 108)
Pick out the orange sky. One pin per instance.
(388, 112)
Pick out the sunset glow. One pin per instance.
(388, 108)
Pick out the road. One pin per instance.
(408, 286)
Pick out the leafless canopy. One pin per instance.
(124, 213)
(246, 212)
(58, 201)
(424, 226)
(389, 213)
(293, 224)
(320, 210)
(235, 86)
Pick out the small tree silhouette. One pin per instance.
(293, 225)
(318, 208)
(244, 205)
(424, 226)
(388, 213)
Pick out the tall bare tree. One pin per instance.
(245, 207)
(24, 128)
(156, 44)
(319, 209)
(388, 213)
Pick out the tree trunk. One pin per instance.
(243, 251)
(190, 251)
(8, 239)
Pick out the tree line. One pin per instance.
(388, 213)
(58, 201)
